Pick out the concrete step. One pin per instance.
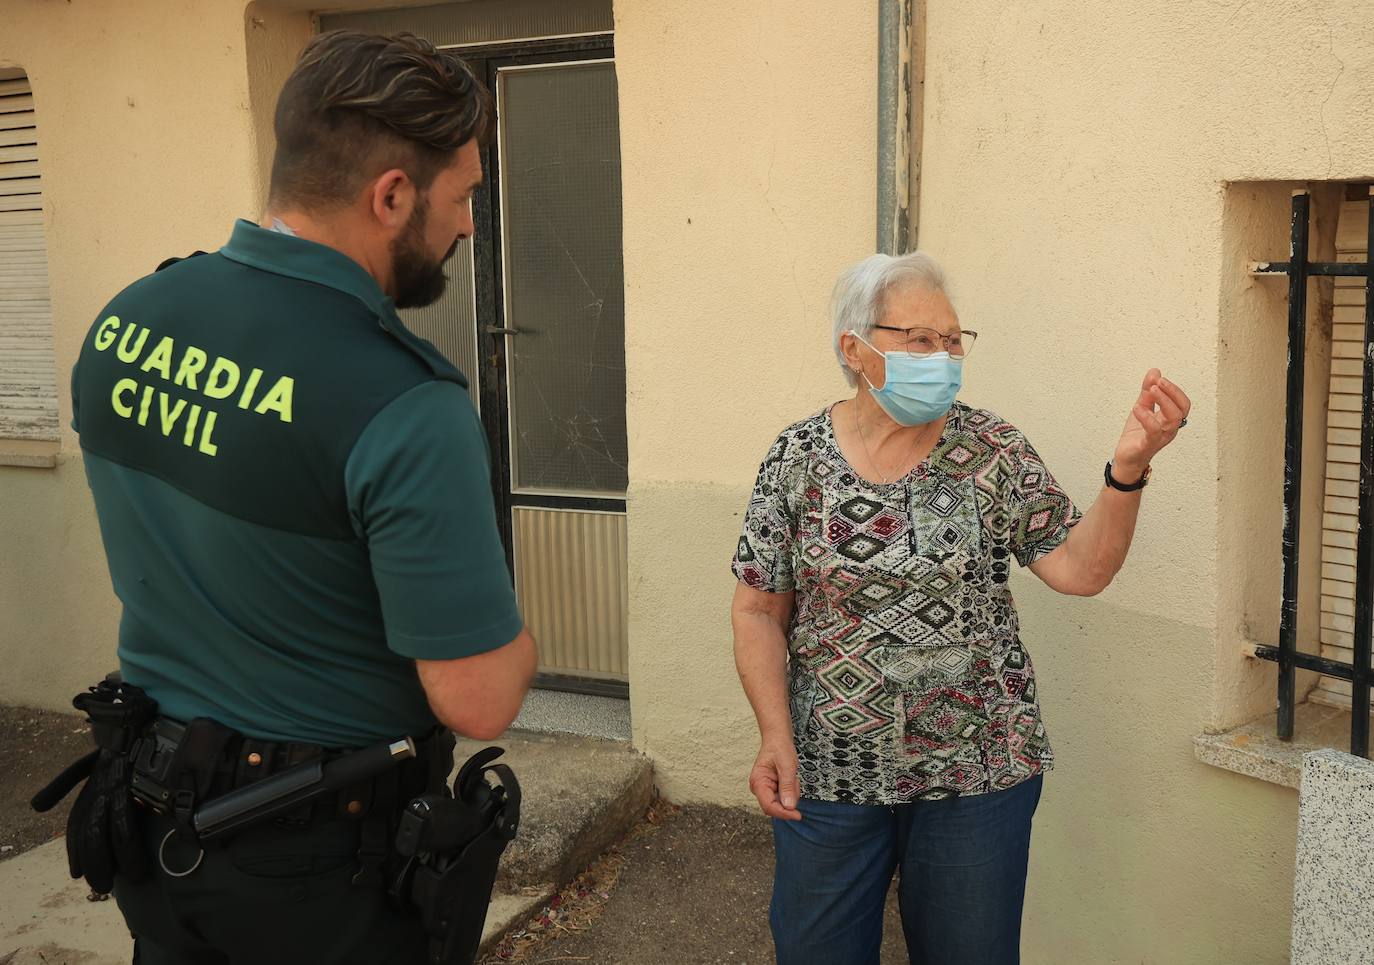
(581, 794)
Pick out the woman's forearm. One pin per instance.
(1099, 543)
(761, 659)
(1090, 558)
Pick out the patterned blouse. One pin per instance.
(907, 675)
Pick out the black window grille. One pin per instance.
(1299, 269)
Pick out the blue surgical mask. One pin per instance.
(917, 390)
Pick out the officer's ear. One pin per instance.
(393, 199)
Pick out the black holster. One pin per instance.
(103, 832)
(451, 847)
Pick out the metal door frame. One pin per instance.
(489, 266)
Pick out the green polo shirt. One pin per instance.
(294, 494)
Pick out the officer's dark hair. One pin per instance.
(359, 104)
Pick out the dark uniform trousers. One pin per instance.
(270, 895)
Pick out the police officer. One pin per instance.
(294, 496)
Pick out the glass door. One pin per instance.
(558, 357)
(534, 315)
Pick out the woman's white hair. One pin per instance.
(858, 295)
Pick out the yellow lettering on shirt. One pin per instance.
(206, 446)
(160, 358)
(191, 426)
(223, 379)
(192, 364)
(124, 409)
(146, 404)
(134, 400)
(249, 387)
(278, 399)
(105, 334)
(170, 417)
(131, 354)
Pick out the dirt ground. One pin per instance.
(34, 746)
(689, 886)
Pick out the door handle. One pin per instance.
(495, 330)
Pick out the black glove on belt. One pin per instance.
(102, 830)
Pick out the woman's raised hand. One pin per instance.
(1158, 413)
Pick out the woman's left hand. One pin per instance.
(1155, 419)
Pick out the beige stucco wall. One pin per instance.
(148, 149)
(748, 150)
(1075, 167)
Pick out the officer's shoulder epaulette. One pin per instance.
(172, 261)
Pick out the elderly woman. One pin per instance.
(877, 640)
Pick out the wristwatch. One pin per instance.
(1123, 487)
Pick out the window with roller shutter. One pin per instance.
(28, 387)
(1339, 516)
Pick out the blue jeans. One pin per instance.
(963, 879)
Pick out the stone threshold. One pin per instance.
(29, 453)
(1255, 750)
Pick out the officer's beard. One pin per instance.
(417, 279)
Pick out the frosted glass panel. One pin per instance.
(564, 286)
(572, 579)
(482, 21)
(451, 322)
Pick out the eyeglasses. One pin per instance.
(920, 342)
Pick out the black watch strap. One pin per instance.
(1136, 486)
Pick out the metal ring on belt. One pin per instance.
(162, 858)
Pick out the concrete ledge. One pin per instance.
(1333, 893)
(1255, 751)
(581, 795)
(29, 453)
(506, 913)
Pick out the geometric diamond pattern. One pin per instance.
(850, 678)
(900, 666)
(886, 525)
(963, 455)
(948, 537)
(952, 663)
(848, 718)
(861, 510)
(839, 530)
(876, 592)
(906, 677)
(943, 502)
(937, 584)
(945, 716)
(1038, 525)
(860, 548)
(937, 614)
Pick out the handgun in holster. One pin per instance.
(451, 847)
